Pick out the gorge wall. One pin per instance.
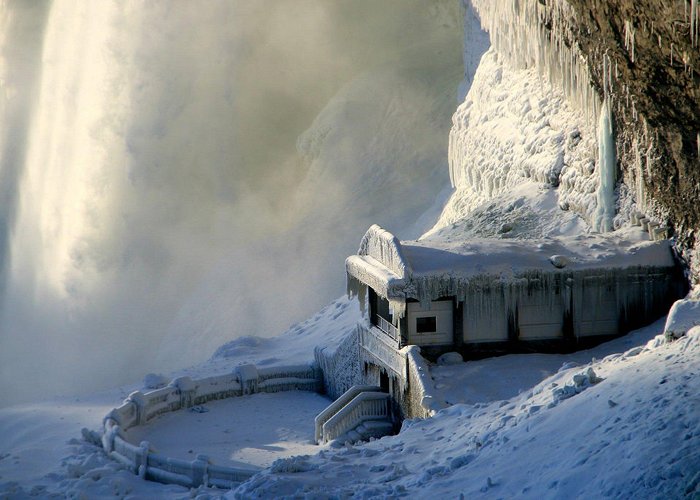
(653, 46)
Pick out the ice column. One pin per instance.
(603, 217)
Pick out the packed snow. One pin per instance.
(247, 431)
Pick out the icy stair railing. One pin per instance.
(656, 231)
(140, 408)
(388, 328)
(360, 404)
(338, 405)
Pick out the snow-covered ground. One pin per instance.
(628, 429)
(247, 431)
(531, 427)
(41, 448)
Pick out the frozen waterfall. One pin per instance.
(605, 211)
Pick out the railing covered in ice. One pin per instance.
(363, 407)
(388, 328)
(184, 392)
(337, 405)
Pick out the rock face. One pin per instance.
(655, 91)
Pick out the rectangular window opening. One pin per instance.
(427, 324)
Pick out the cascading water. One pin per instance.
(148, 185)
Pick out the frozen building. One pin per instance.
(498, 295)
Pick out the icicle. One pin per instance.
(698, 140)
(629, 41)
(605, 211)
(518, 33)
(693, 22)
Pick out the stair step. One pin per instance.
(375, 429)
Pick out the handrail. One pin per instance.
(338, 405)
(365, 406)
(388, 328)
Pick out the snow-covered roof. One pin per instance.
(436, 267)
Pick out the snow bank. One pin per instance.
(683, 316)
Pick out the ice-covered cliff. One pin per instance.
(641, 58)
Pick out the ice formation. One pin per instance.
(605, 211)
(510, 130)
(518, 32)
(694, 28)
(629, 38)
(490, 276)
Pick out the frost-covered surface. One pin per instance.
(386, 248)
(246, 431)
(512, 128)
(504, 257)
(528, 210)
(684, 315)
(41, 448)
(445, 264)
(340, 365)
(642, 418)
(505, 377)
(534, 34)
(632, 434)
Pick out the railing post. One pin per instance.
(199, 471)
(187, 389)
(110, 432)
(141, 462)
(248, 377)
(139, 401)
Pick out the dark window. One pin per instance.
(426, 325)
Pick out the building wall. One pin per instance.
(440, 312)
(485, 318)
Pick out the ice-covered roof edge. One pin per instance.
(384, 247)
(362, 273)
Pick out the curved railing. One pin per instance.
(140, 408)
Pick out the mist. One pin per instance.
(177, 174)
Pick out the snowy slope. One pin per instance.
(634, 434)
(40, 443)
(547, 441)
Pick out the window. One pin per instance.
(427, 324)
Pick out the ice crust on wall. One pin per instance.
(512, 128)
(517, 30)
(386, 248)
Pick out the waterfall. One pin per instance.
(150, 179)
